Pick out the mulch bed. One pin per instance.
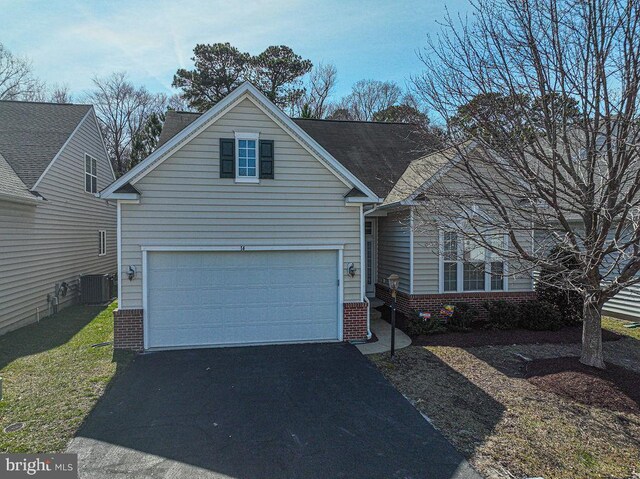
(484, 337)
(614, 388)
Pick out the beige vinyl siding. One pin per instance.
(57, 239)
(184, 202)
(394, 248)
(625, 304)
(426, 262)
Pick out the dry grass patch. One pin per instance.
(509, 428)
(53, 377)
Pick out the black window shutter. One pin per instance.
(266, 159)
(227, 158)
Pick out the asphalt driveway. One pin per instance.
(300, 411)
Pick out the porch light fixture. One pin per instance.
(394, 282)
(351, 269)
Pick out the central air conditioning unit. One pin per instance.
(96, 288)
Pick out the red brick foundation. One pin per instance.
(354, 325)
(433, 303)
(127, 329)
(128, 332)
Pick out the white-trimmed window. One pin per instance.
(102, 242)
(90, 174)
(247, 158)
(466, 266)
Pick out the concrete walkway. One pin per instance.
(382, 330)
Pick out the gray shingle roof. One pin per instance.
(10, 184)
(376, 153)
(31, 134)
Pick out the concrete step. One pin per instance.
(375, 302)
(375, 314)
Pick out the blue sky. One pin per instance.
(71, 41)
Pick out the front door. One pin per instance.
(370, 256)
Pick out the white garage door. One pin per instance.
(225, 298)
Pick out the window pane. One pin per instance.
(87, 164)
(87, 183)
(368, 227)
(473, 276)
(497, 276)
(94, 184)
(247, 166)
(94, 167)
(450, 246)
(450, 276)
(473, 252)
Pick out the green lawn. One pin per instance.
(53, 377)
(617, 326)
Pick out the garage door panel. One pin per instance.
(217, 298)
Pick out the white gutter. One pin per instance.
(17, 199)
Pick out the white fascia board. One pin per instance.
(361, 200)
(119, 196)
(244, 90)
(104, 145)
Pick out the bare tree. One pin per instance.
(17, 81)
(367, 98)
(60, 94)
(321, 83)
(561, 153)
(123, 111)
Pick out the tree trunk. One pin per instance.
(592, 336)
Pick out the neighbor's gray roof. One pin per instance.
(376, 153)
(31, 134)
(10, 184)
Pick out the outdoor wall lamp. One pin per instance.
(351, 269)
(131, 273)
(394, 282)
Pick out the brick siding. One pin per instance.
(127, 329)
(354, 325)
(432, 303)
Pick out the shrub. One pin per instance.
(568, 303)
(502, 314)
(539, 315)
(416, 325)
(463, 316)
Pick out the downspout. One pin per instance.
(362, 270)
(411, 250)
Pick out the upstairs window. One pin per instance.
(90, 174)
(247, 157)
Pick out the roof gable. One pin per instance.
(32, 134)
(376, 153)
(196, 126)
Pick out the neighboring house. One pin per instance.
(53, 228)
(247, 227)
